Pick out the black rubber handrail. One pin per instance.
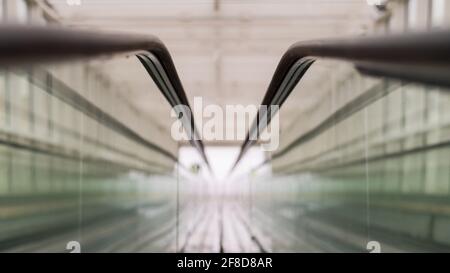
(26, 45)
(416, 57)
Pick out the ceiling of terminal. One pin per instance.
(224, 50)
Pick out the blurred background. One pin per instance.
(375, 165)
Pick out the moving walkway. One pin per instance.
(367, 162)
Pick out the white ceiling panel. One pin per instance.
(224, 50)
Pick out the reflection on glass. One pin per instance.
(374, 173)
(66, 175)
